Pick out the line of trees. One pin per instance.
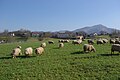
(25, 34)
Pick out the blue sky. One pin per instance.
(55, 15)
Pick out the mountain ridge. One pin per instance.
(96, 29)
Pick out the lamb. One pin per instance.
(51, 42)
(61, 45)
(16, 52)
(39, 50)
(115, 47)
(88, 48)
(43, 45)
(28, 51)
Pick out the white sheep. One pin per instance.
(76, 42)
(66, 41)
(43, 45)
(115, 47)
(16, 52)
(112, 41)
(88, 48)
(28, 51)
(105, 40)
(61, 45)
(39, 50)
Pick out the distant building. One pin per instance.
(66, 34)
(35, 34)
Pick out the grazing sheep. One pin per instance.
(105, 40)
(80, 37)
(100, 41)
(66, 41)
(51, 42)
(43, 45)
(117, 39)
(117, 42)
(61, 45)
(115, 47)
(28, 51)
(76, 42)
(90, 41)
(88, 48)
(61, 40)
(16, 52)
(112, 41)
(39, 50)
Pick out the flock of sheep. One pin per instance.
(28, 51)
(86, 47)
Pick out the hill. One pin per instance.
(96, 29)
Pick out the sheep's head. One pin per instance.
(19, 46)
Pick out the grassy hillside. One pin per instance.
(67, 63)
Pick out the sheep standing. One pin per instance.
(28, 51)
(88, 48)
(61, 45)
(39, 50)
(43, 45)
(16, 52)
(115, 47)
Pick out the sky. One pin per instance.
(55, 15)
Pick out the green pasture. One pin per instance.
(67, 63)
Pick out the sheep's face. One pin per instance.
(94, 49)
(19, 47)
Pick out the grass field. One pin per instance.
(67, 63)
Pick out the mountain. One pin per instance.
(96, 29)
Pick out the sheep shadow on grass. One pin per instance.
(78, 52)
(10, 57)
(108, 54)
(6, 57)
(56, 48)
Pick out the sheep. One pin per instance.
(39, 50)
(76, 42)
(28, 51)
(100, 41)
(112, 41)
(66, 41)
(90, 41)
(61, 45)
(117, 42)
(88, 48)
(115, 47)
(16, 52)
(105, 40)
(43, 45)
(80, 37)
(51, 42)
